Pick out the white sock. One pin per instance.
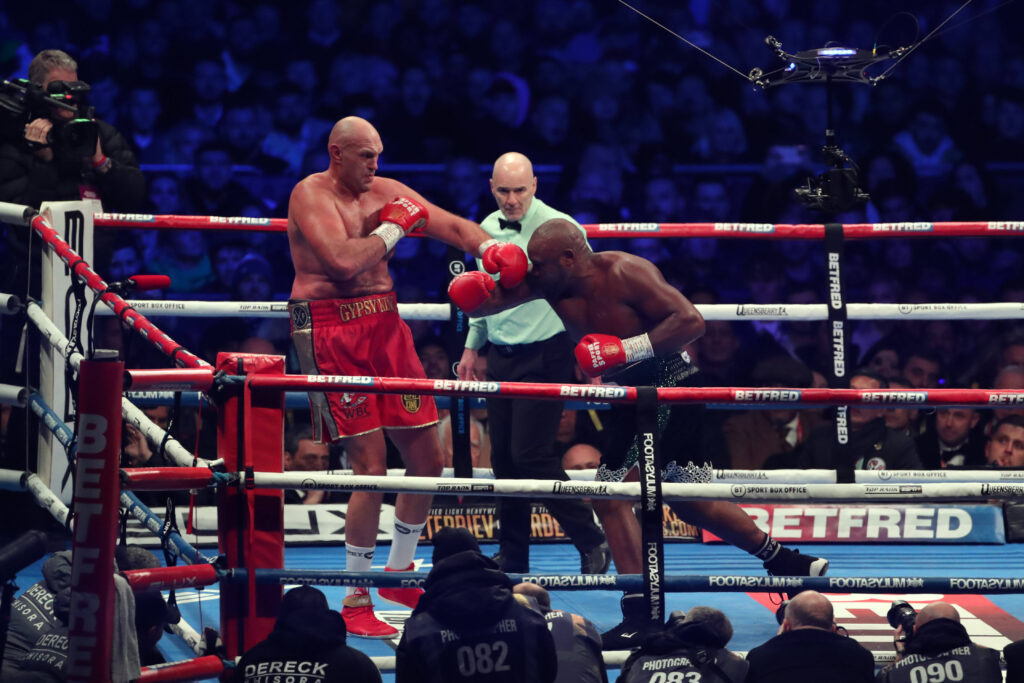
(357, 559)
(403, 546)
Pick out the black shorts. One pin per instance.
(680, 425)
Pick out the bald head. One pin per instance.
(936, 610)
(557, 235)
(352, 129)
(538, 593)
(513, 185)
(354, 147)
(810, 609)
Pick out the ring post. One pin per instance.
(250, 437)
(73, 222)
(96, 493)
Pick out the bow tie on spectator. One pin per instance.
(509, 225)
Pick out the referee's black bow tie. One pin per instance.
(509, 225)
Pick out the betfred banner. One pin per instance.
(877, 524)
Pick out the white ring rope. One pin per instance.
(255, 309)
(714, 312)
(134, 415)
(47, 499)
(947, 475)
(9, 303)
(733, 476)
(12, 395)
(538, 488)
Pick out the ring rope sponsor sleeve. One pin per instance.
(652, 531)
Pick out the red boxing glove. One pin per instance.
(508, 260)
(471, 289)
(599, 353)
(400, 217)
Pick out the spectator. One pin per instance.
(214, 191)
(166, 198)
(577, 642)
(950, 440)
(308, 638)
(462, 189)
(883, 358)
(209, 86)
(1005, 445)
(479, 442)
(253, 279)
(903, 420)
(468, 625)
(243, 133)
(754, 435)
(926, 143)
(871, 446)
(185, 260)
(227, 256)
(144, 110)
(922, 369)
(939, 643)
(808, 648)
(691, 647)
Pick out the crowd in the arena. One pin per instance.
(227, 105)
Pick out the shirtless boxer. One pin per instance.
(343, 224)
(632, 327)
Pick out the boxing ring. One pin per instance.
(245, 582)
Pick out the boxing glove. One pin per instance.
(599, 353)
(400, 217)
(469, 290)
(505, 259)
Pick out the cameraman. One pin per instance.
(691, 647)
(33, 171)
(938, 645)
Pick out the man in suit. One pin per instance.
(754, 435)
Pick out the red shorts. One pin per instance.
(361, 336)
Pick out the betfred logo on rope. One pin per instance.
(877, 523)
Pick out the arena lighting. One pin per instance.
(838, 188)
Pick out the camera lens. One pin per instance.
(901, 614)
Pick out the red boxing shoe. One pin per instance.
(360, 621)
(403, 597)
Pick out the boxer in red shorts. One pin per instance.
(343, 224)
(362, 336)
